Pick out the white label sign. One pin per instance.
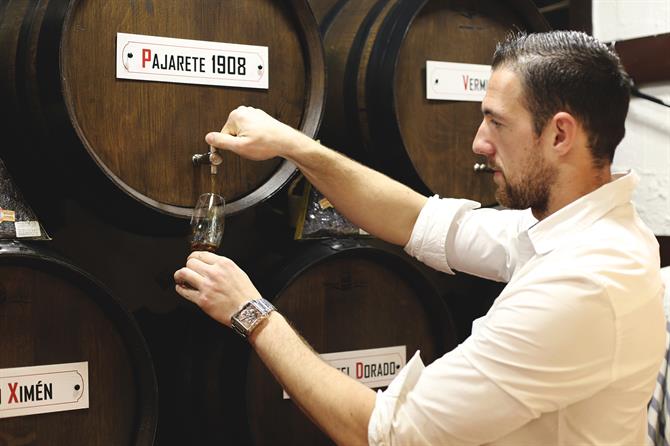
(27, 229)
(374, 367)
(164, 59)
(452, 81)
(43, 389)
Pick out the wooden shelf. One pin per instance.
(646, 59)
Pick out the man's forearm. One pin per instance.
(342, 408)
(371, 200)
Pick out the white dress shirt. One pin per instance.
(568, 353)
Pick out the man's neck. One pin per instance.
(572, 185)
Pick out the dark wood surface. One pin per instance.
(581, 15)
(321, 8)
(145, 132)
(436, 135)
(645, 58)
(664, 247)
(339, 39)
(565, 15)
(201, 366)
(50, 315)
(338, 305)
(140, 136)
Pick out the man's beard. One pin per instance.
(533, 189)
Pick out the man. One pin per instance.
(569, 351)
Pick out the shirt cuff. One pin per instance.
(429, 235)
(389, 402)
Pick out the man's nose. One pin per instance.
(481, 145)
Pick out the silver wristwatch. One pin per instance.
(250, 315)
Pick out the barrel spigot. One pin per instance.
(482, 168)
(211, 158)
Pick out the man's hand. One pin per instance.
(255, 135)
(338, 404)
(215, 284)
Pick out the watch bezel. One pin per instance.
(263, 309)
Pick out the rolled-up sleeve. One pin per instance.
(429, 235)
(453, 234)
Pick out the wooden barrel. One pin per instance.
(345, 296)
(377, 111)
(52, 312)
(325, 10)
(134, 139)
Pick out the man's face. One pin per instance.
(506, 138)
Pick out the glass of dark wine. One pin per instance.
(207, 222)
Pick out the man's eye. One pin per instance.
(496, 123)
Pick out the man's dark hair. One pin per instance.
(573, 72)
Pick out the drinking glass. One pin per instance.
(207, 222)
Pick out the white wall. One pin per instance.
(646, 147)
(627, 19)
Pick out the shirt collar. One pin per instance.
(582, 213)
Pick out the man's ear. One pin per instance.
(565, 129)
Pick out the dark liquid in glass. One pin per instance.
(201, 246)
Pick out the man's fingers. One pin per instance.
(229, 128)
(202, 269)
(186, 292)
(222, 141)
(204, 257)
(188, 277)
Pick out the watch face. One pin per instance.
(248, 316)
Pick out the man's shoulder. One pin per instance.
(622, 260)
